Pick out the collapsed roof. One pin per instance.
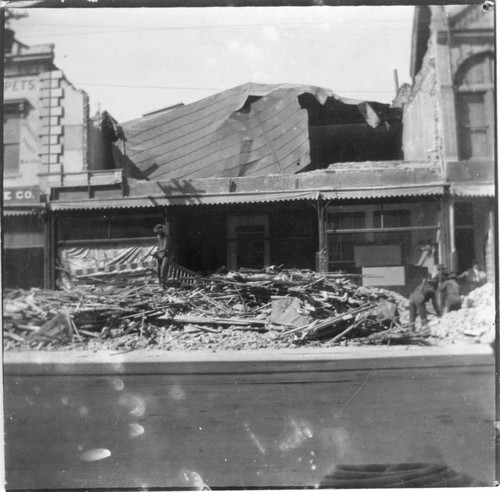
(249, 130)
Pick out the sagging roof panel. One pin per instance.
(250, 130)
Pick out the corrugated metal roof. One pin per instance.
(208, 199)
(473, 189)
(250, 130)
(389, 192)
(249, 197)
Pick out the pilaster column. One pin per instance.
(446, 96)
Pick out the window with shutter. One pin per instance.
(474, 99)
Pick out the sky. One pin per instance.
(134, 61)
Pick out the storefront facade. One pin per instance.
(316, 220)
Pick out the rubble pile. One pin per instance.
(242, 310)
(474, 322)
(235, 311)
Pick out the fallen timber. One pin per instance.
(331, 321)
(236, 311)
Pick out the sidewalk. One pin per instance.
(159, 362)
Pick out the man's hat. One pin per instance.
(159, 228)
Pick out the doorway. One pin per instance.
(464, 235)
(248, 241)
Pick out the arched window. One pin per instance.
(474, 86)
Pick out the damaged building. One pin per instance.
(49, 139)
(261, 175)
(294, 175)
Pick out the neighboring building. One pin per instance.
(48, 138)
(449, 117)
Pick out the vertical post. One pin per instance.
(165, 219)
(443, 231)
(453, 248)
(396, 81)
(46, 250)
(171, 244)
(322, 263)
(50, 251)
(490, 247)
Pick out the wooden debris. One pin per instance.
(239, 310)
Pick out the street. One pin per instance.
(279, 425)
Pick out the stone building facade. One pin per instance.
(48, 137)
(449, 118)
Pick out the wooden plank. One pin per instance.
(218, 321)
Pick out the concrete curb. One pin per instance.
(288, 360)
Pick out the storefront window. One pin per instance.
(346, 220)
(391, 218)
(102, 228)
(382, 235)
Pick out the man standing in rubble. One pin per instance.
(439, 276)
(162, 255)
(425, 292)
(450, 294)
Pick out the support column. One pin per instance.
(453, 249)
(49, 263)
(490, 247)
(443, 232)
(171, 242)
(446, 96)
(322, 254)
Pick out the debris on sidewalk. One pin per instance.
(242, 310)
(400, 336)
(474, 322)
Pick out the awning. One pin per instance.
(6, 212)
(386, 192)
(249, 197)
(164, 201)
(473, 189)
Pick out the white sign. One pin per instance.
(21, 195)
(384, 276)
(18, 87)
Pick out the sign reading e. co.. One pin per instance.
(20, 196)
